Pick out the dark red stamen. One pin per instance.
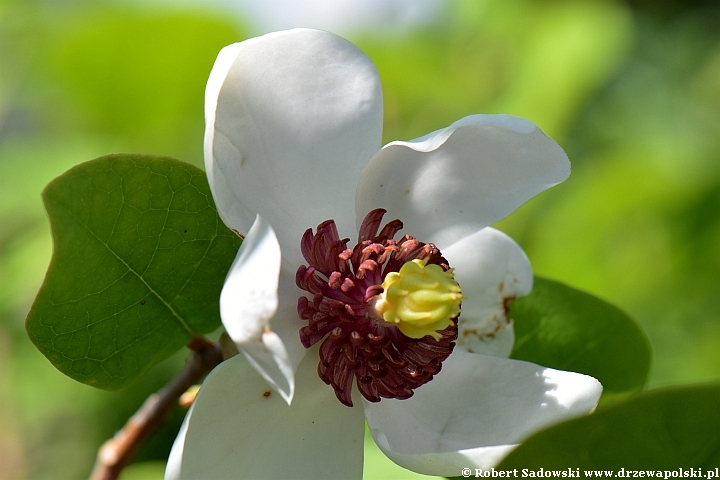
(358, 345)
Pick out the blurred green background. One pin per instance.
(631, 90)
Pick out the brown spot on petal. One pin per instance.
(486, 331)
(267, 393)
(242, 237)
(506, 306)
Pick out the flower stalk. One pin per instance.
(117, 452)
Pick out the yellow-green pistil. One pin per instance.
(420, 299)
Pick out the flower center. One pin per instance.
(421, 299)
(386, 310)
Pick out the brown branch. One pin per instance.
(117, 452)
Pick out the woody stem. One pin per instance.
(118, 451)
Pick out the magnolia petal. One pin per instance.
(175, 459)
(248, 302)
(291, 119)
(492, 270)
(475, 410)
(238, 428)
(458, 180)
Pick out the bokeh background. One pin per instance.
(631, 90)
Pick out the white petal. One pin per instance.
(238, 428)
(292, 118)
(474, 411)
(175, 460)
(455, 181)
(492, 270)
(248, 302)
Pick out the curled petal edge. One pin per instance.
(457, 180)
(248, 303)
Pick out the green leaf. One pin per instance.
(657, 430)
(139, 260)
(560, 327)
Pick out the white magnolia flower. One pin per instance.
(293, 129)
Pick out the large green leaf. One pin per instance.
(139, 260)
(657, 430)
(560, 327)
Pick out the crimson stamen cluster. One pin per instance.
(358, 344)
